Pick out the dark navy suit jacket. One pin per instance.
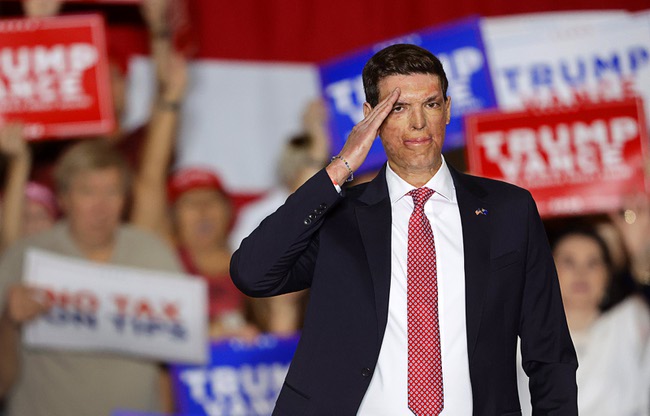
(340, 247)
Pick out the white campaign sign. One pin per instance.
(99, 307)
(563, 59)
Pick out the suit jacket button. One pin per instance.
(323, 206)
(366, 372)
(307, 221)
(311, 216)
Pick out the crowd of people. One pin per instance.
(118, 200)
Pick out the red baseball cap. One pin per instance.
(187, 179)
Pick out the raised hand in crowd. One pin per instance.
(199, 221)
(41, 8)
(174, 86)
(633, 224)
(14, 147)
(169, 88)
(156, 15)
(12, 141)
(149, 209)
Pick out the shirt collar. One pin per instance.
(442, 183)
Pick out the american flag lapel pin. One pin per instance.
(481, 211)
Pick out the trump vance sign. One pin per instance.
(579, 161)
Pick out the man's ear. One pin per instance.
(367, 108)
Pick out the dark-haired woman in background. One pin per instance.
(612, 345)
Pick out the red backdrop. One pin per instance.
(315, 30)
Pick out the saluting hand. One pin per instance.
(361, 137)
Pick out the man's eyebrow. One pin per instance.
(433, 97)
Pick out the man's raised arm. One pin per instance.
(279, 256)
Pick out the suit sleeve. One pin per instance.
(280, 255)
(548, 356)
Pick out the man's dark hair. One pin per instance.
(400, 59)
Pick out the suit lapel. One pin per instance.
(476, 244)
(374, 219)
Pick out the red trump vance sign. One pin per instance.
(54, 76)
(577, 161)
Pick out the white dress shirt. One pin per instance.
(387, 393)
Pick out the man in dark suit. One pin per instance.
(421, 280)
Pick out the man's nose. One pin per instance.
(417, 119)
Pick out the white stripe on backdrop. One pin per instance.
(236, 116)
